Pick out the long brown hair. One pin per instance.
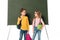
(38, 13)
(22, 9)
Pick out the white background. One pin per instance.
(53, 28)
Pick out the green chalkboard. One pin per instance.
(14, 7)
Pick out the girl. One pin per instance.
(36, 21)
(24, 23)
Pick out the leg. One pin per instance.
(39, 34)
(34, 34)
(21, 35)
(25, 32)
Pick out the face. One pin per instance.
(35, 14)
(23, 12)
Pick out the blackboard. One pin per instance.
(14, 7)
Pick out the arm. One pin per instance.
(28, 23)
(43, 24)
(18, 21)
(33, 25)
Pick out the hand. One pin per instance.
(27, 32)
(41, 28)
(32, 30)
(19, 18)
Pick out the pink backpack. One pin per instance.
(28, 37)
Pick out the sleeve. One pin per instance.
(28, 23)
(18, 21)
(42, 22)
